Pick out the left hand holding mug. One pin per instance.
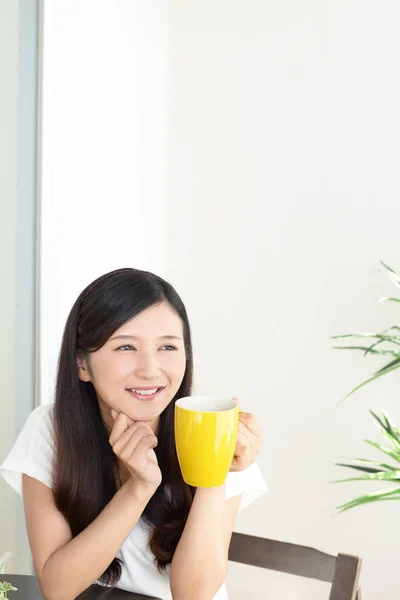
(248, 441)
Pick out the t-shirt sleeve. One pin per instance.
(250, 483)
(32, 452)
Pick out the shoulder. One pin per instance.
(33, 449)
(41, 424)
(41, 418)
(37, 435)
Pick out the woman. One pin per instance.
(103, 493)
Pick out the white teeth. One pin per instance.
(145, 392)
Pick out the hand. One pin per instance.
(248, 441)
(133, 443)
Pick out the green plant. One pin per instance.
(385, 344)
(4, 586)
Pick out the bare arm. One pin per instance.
(200, 561)
(66, 566)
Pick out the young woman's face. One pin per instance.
(145, 354)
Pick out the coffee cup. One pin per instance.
(206, 429)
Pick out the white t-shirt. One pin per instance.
(32, 454)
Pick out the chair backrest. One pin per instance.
(341, 571)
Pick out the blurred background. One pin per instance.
(247, 152)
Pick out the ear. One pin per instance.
(83, 372)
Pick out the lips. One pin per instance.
(145, 396)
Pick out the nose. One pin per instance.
(147, 367)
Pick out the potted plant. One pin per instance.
(4, 586)
(384, 344)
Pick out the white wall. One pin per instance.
(283, 195)
(103, 152)
(8, 201)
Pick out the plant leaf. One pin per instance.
(358, 502)
(392, 274)
(378, 464)
(395, 339)
(388, 431)
(389, 366)
(373, 497)
(368, 381)
(388, 451)
(395, 430)
(7, 587)
(375, 344)
(384, 332)
(378, 476)
(369, 350)
(360, 468)
(389, 300)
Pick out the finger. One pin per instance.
(246, 433)
(114, 414)
(121, 424)
(250, 422)
(140, 455)
(242, 445)
(253, 439)
(125, 446)
(128, 419)
(135, 453)
(126, 436)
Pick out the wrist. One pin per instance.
(211, 492)
(140, 491)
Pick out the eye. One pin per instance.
(126, 347)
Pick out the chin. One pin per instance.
(145, 413)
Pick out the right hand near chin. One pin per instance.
(133, 443)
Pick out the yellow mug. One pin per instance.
(206, 431)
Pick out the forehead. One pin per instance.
(155, 321)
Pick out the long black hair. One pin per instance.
(85, 468)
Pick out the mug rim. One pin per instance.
(194, 398)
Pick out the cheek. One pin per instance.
(181, 365)
(176, 368)
(120, 361)
(107, 371)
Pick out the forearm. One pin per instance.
(199, 565)
(76, 565)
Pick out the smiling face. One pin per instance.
(145, 354)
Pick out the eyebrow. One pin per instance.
(133, 337)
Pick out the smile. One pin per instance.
(144, 394)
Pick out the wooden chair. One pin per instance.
(341, 571)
